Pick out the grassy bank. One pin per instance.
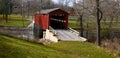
(14, 20)
(14, 48)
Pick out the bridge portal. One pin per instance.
(56, 18)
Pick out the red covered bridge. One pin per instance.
(56, 18)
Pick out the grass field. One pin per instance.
(14, 48)
(14, 21)
(74, 23)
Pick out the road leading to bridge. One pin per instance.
(66, 35)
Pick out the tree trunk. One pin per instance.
(81, 25)
(6, 11)
(110, 24)
(6, 18)
(87, 27)
(98, 33)
(98, 23)
(4, 15)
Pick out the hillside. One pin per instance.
(15, 48)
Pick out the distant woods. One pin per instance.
(102, 13)
(5, 8)
(29, 7)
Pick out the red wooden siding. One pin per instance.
(36, 19)
(43, 20)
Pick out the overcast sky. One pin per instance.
(56, 1)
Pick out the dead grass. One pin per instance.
(113, 45)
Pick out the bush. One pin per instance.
(105, 33)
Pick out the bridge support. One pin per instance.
(51, 36)
(38, 32)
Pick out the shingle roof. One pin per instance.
(48, 10)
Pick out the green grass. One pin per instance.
(14, 20)
(14, 48)
(73, 23)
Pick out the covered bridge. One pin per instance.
(56, 18)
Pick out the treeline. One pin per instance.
(5, 8)
(26, 7)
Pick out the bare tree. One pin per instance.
(99, 17)
(82, 10)
(7, 7)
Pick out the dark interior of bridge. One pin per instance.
(57, 21)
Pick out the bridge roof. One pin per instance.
(47, 11)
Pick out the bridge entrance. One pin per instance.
(57, 21)
(56, 18)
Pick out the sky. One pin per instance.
(56, 1)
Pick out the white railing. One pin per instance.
(73, 31)
(53, 31)
(77, 33)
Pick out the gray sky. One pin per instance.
(56, 1)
